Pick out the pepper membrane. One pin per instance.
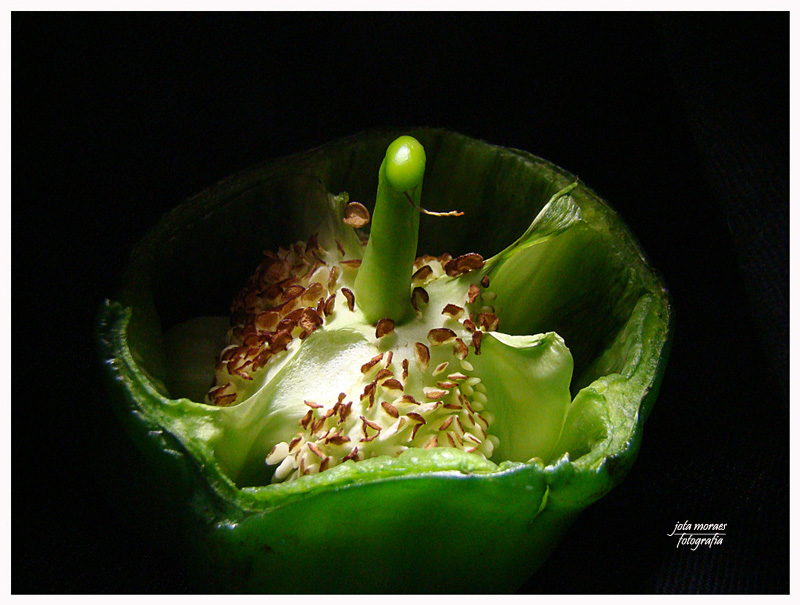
(546, 461)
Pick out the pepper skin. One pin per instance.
(426, 520)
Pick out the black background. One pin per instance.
(680, 121)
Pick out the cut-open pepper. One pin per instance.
(362, 402)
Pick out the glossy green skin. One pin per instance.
(402, 526)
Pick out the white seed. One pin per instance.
(225, 350)
(422, 355)
(472, 438)
(445, 423)
(440, 368)
(278, 453)
(488, 417)
(487, 448)
(402, 406)
(397, 450)
(473, 381)
(321, 275)
(396, 427)
(392, 386)
(427, 407)
(477, 405)
(432, 442)
(292, 257)
(480, 398)
(283, 470)
(494, 439)
(467, 420)
(466, 365)
(467, 390)
(488, 296)
(481, 388)
(432, 393)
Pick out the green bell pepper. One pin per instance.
(367, 420)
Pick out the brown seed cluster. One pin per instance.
(440, 336)
(450, 412)
(419, 297)
(428, 268)
(350, 297)
(453, 311)
(486, 319)
(421, 275)
(356, 215)
(463, 264)
(289, 296)
(384, 327)
(390, 420)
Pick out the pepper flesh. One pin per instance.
(254, 538)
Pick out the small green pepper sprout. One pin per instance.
(404, 164)
(383, 284)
